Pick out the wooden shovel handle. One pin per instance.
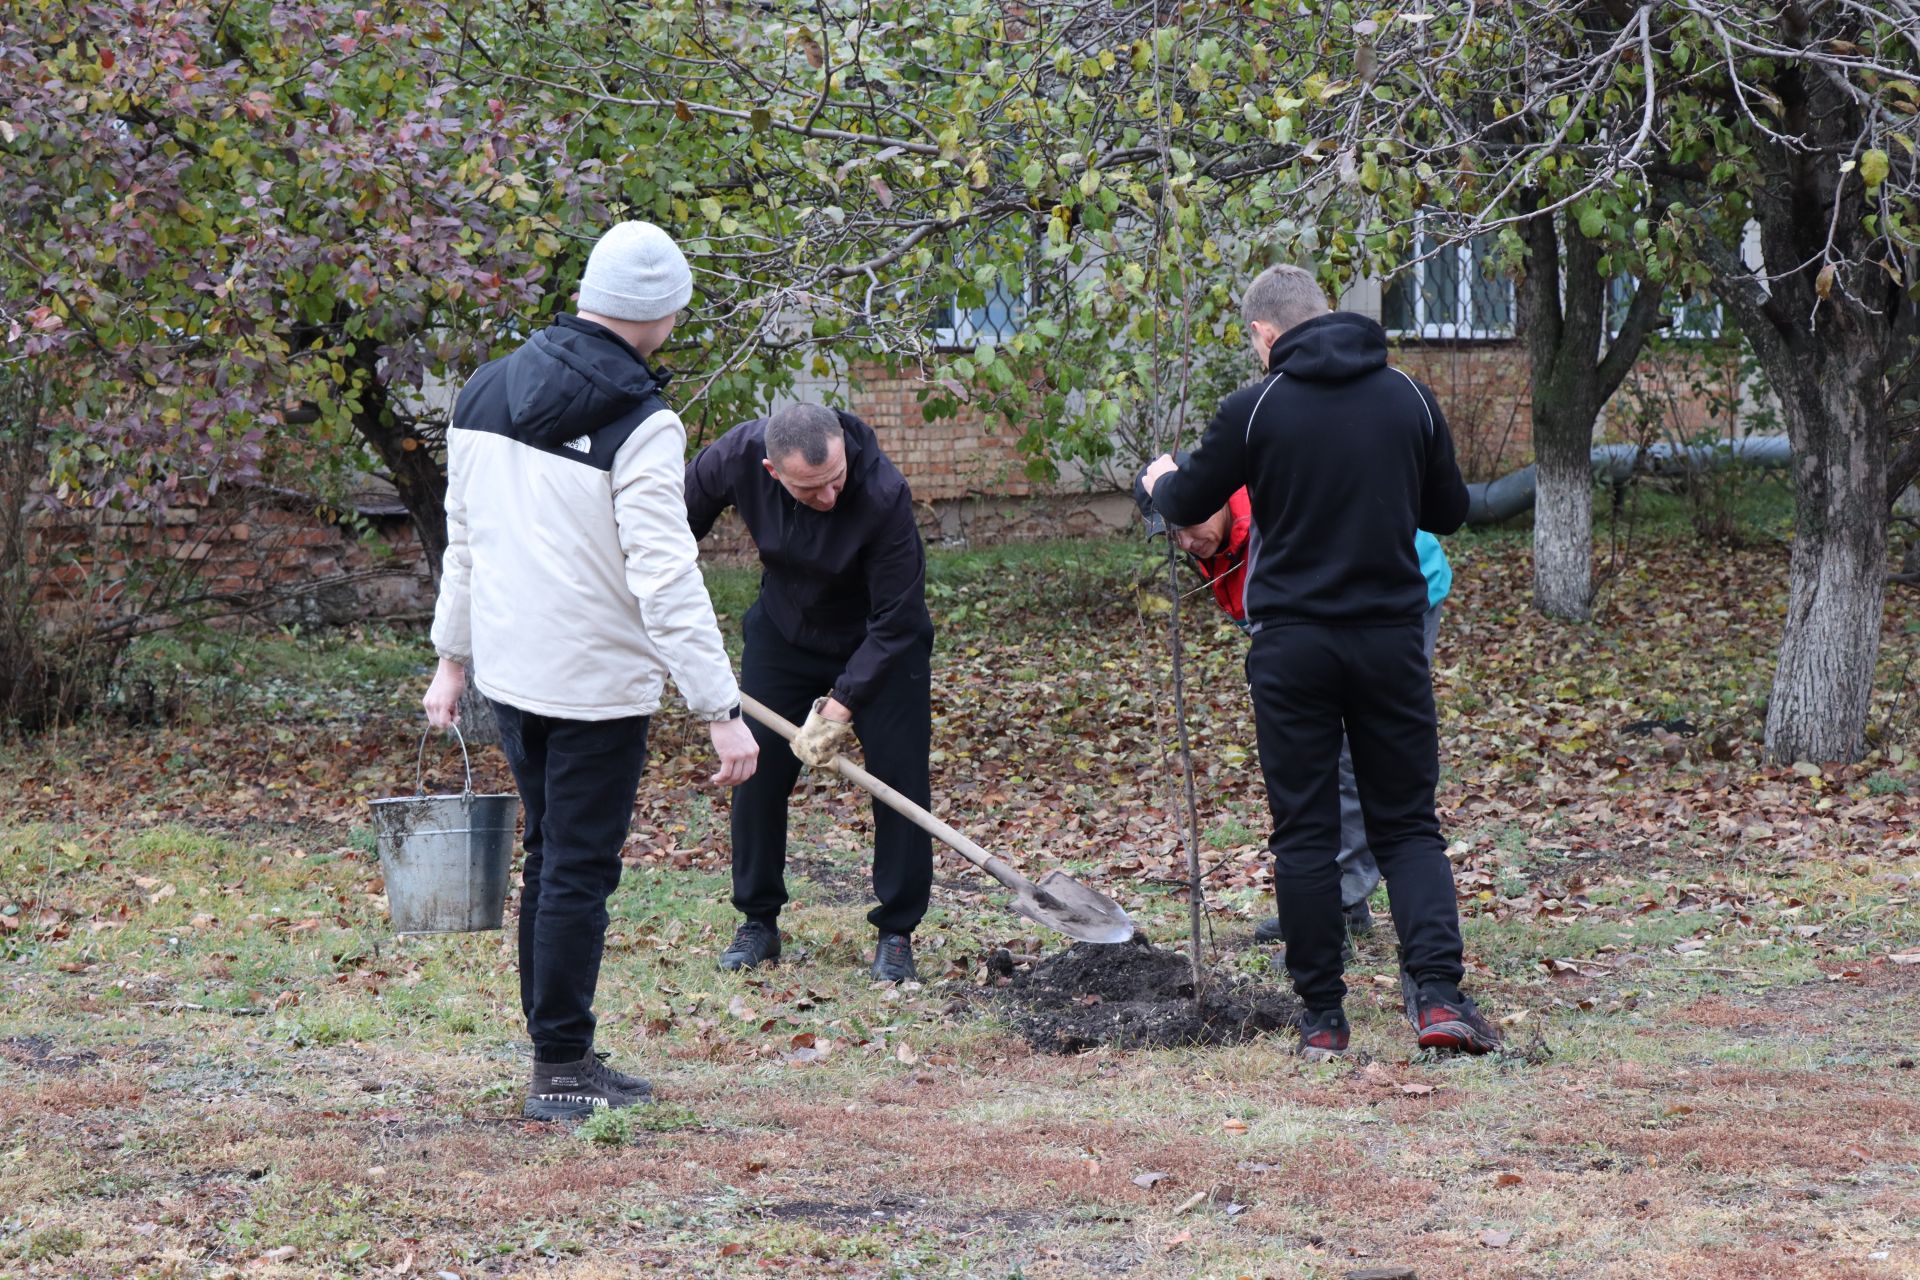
(853, 773)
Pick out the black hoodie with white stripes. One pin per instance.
(1343, 457)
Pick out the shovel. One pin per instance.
(1058, 901)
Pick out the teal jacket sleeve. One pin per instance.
(1433, 567)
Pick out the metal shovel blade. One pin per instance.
(1058, 901)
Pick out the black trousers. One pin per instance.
(577, 781)
(1307, 683)
(896, 732)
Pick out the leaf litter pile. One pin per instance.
(1134, 995)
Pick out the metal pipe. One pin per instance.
(1496, 500)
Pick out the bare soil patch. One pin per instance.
(1134, 995)
(38, 1053)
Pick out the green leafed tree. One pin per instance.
(894, 181)
(1764, 154)
(310, 212)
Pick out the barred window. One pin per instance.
(1451, 292)
(973, 315)
(1692, 317)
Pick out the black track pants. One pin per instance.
(895, 730)
(1307, 683)
(577, 781)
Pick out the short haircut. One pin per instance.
(805, 429)
(1283, 296)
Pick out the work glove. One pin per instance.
(819, 738)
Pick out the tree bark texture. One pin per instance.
(1563, 520)
(1823, 682)
(1575, 367)
(1827, 341)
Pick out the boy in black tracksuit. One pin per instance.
(1343, 457)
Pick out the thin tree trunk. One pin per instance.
(1823, 681)
(1574, 369)
(1563, 518)
(418, 476)
(421, 481)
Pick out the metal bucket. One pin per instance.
(446, 859)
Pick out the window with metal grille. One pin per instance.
(1692, 317)
(1451, 292)
(974, 315)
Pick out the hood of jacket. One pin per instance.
(572, 378)
(1330, 348)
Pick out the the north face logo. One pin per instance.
(580, 445)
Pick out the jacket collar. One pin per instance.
(567, 320)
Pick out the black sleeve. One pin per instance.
(710, 482)
(1443, 494)
(895, 565)
(1217, 468)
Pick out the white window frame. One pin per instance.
(1467, 271)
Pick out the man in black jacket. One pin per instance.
(1343, 457)
(839, 635)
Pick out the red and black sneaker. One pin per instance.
(1445, 1019)
(1323, 1035)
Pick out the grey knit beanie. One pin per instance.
(636, 272)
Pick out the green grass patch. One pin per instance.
(50, 1243)
(620, 1126)
(1886, 783)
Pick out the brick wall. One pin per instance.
(239, 544)
(966, 471)
(1482, 388)
(968, 476)
(975, 521)
(1681, 392)
(1685, 392)
(970, 453)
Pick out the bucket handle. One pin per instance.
(420, 763)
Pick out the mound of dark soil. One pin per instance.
(1133, 995)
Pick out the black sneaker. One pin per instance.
(1323, 1035)
(1444, 1019)
(633, 1086)
(573, 1090)
(893, 958)
(753, 944)
(1359, 919)
(1269, 931)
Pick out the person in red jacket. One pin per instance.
(1216, 549)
